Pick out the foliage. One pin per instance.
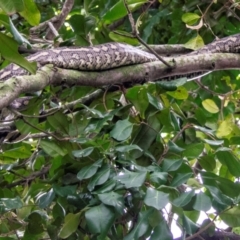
(105, 170)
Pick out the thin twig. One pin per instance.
(135, 34)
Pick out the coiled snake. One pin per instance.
(107, 56)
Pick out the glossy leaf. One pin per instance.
(99, 178)
(122, 130)
(159, 177)
(8, 49)
(45, 199)
(202, 203)
(89, 171)
(141, 225)
(189, 226)
(190, 18)
(156, 199)
(210, 106)
(83, 153)
(180, 178)
(31, 12)
(162, 230)
(183, 199)
(230, 217)
(12, 6)
(171, 164)
(70, 225)
(7, 204)
(113, 199)
(99, 219)
(228, 159)
(132, 179)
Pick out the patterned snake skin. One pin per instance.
(108, 56)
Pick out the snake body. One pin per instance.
(107, 56)
(99, 57)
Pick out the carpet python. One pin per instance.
(108, 56)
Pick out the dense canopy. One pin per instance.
(120, 154)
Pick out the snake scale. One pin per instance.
(107, 56)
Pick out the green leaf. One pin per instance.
(53, 149)
(225, 185)
(9, 50)
(70, 225)
(225, 128)
(207, 162)
(183, 199)
(58, 211)
(174, 147)
(99, 219)
(4, 20)
(202, 202)
(128, 148)
(194, 44)
(132, 179)
(219, 197)
(122, 130)
(116, 12)
(172, 85)
(16, 153)
(180, 178)
(59, 122)
(89, 171)
(210, 106)
(154, 102)
(180, 93)
(106, 187)
(171, 164)
(214, 142)
(65, 190)
(189, 226)
(159, 177)
(12, 6)
(123, 36)
(31, 12)
(99, 178)
(162, 230)
(231, 216)
(119, 10)
(141, 226)
(138, 96)
(17, 36)
(45, 199)
(156, 199)
(193, 150)
(113, 199)
(229, 160)
(7, 204)
(83, 153)
(35, 225)
(190, 18)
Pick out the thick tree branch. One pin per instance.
(153, 71)
(27, 179)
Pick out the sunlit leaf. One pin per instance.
(132, 179)
(210, 106)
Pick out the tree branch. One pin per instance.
(57, 21)
(152, 71)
